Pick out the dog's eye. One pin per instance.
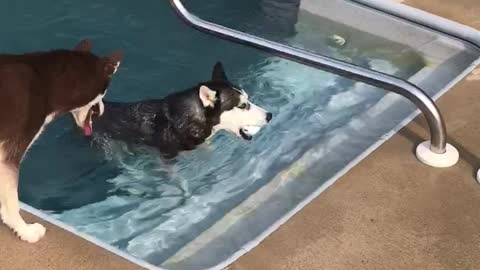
(243, 106)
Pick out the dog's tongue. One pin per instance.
(87, 125)
(87, 129)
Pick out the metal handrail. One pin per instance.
(438, 134)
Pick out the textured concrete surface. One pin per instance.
(59, 250)
(462, 11)
(389, 212)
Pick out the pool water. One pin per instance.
(127, 196)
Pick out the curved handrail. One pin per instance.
(438, 134)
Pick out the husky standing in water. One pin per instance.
(183, 120)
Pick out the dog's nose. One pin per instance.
(269, 117)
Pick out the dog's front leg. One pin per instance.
(176, 178)
(9, 204)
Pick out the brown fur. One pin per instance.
(35, 85)
(34, 88)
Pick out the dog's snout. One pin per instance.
(269, 116)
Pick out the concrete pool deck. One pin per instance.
(388, 212)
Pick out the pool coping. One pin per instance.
(426, 19)
(255, 242)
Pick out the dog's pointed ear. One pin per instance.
(207, 96)
(112, 62)
(218, 72)
(84, 46)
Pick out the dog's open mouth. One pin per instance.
(247, 132)
(88, 123)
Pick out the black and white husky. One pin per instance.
(183, 120)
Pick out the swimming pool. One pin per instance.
(218, 200)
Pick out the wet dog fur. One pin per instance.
(183, 120)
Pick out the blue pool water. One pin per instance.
(126, 196)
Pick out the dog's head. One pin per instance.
(97, 73)
(230, 106)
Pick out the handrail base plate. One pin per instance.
(427, 157)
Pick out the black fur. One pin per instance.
(176, 123)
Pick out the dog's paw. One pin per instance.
(32, 232)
